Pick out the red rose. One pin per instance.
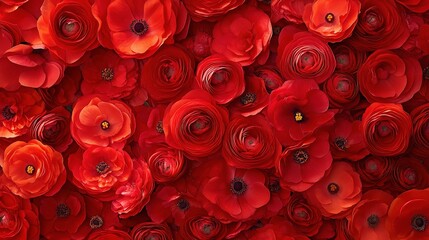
(386, 129)
(168, 74)
(420, 137)
(243, 36)
(388, 76)
(67, 28)
(195, 124)
(342, 90)
(99, 122)
(291, 10)
(32, 169)
(418, 6)
(166, 164)
(134, 32)
(111, 234)
(222, 78)
(210, 9)
(332, 20)
(148, 230)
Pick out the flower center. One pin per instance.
(342, 59)
(426, 72)
(168, 70)
(372, 19)
(219, 77)
(159, 128)
(299, 117)
(70, 27)
(139, 27)
(207, 229)
(343, 86)
(96, 222)
(274, 186)
(30, 169)
(63, 210)
(238, 186)
(373, 221)
(307, 59)
(105, 125)
(247, 98)
(419, 223)
(384, 129)
(410, 176)
(300, 156)
(183, 204)
(102, 167)
(341, 142)
(107, 74)
(329, 17)
(333, 188)
(7, 113)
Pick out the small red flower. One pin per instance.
(253, 100)
(166, 164)
(148, 230)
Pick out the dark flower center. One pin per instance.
(410, 176)
(168, 70)
(277, 30)
(96, 222)
(69, 27)
(333, 188)
(299, 117)
(373, 221)
(8, 113)
(341, 142)
(102, 167)
(30, 169)
(63, 210)
(105, 125)
(238, 186)
(107, 74)
(274, 186)
(183, 204)
(139, 27)
(248, 98)
(300, 156)
(419, 223)
(219, 77)
(159, 128)
(373, 20)
(329, 17)
(343, 86)
(207, 229)
(384, 129)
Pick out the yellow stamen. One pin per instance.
(30, 169)
(298, 117)
(105, 125)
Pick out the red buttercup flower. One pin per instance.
(388, 76)
(201, 226)
(408, 173)
(148, 230)
(305, 217)
(386, 129)
(348, 58)
(166, 164)
(291, 10)
(368, 218)
(342, 90)
(381, 25)
(32, 169)
(332, 20)
(408, 215)
(97, 121)
(195, 124)
(19, 217)
(168, 74)
(67, 28)
(301, 55)
(222, 78)
(337, 192)
(420, 137)
(346, 139)
(111, 234)
(18, 110)
(374, 171)
(10, 35)
(304, 164)
(419, 6)
(250, 143)
(243, 36)
(135, 32)
(104, 72)
(100, 170)
(297, 109)
(210, 10)
(271, 77)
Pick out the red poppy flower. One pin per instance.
(134, 32)
(243, 36)
(332, 20)
(304, 164)
(408, 215)
(100, 122)
(104, 72)
(148, 230)
(222, 78)
(297, 109)
(291, 10)
(420, 117)
(19, 217)
(67, 28)
(253, 100)
(111, 234)
(210, 10)
(250, 143)
(279, 198)
(32, 169)
(168, 74)
(342, 90)
(337, 192)
(368, 218)
(18, 110)
(374, 171)
(386, 129)
(166, 164)
(348, 58)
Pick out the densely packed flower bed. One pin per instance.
(214, 119)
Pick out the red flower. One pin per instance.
(201, 226)
(250, 143)
(243, 36)
(195, 124)
(337, 192)
(297, 109)
(342, 90)
(166, 164)
(222, 78)
(419, 6)
(210, 9)
(408, 173)
(168, 74)
(100, 122)
(67, 28)
(271, 77)
(148, 230)
(10, 35)
(348, 58)
(420, 117)
(332, 20)
(134, 32)
(111, 234)
(305, 217)
(151, 129)
(32, 169)
(19, 217)
(253, 100)
(291, 10)
(386, 129)
(374, 171)
(408, 215)
(277, 229)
